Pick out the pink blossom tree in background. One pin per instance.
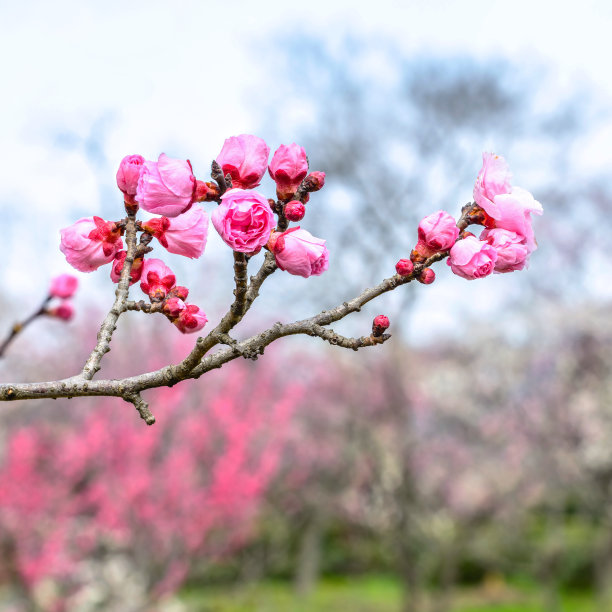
(248, 222)
(97, 514)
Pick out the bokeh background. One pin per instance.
(465, 465)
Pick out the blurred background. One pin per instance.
(466, 465)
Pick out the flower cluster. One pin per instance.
(245, 219)
(504, 245)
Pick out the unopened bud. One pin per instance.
(404, 267)
(314, 181)
(379, 325)
(276, 241)
(64, 311)
(178, 292)
(427, 276)
(173, 307)
(206, 192)
(295, 211)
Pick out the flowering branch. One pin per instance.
(245, 221)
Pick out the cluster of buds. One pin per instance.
(62, 288)
(504, 245)
(243, 218)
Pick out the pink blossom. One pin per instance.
(191, 319)
(427, 276)
(245, 158)
(471, 258)
(515, 210)
(493, 179)
(63, 286)
(295, 211)
(64, 311)
(512, 251)
(404, 267)
(183, 235)
(173, 306)
(299, 252)
(166, 187)
(128, 173)
(90, 243)
(244, 220)
(157, 279)
(438, 231)
(117, 267)
(288, 168)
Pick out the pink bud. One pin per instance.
(90, 243)
(379, 325)
(166, 187)
(295, 211)
(173, 307)
(179, 292)
(427, 276)
(63, 286)
(117, 267)
(471, 258)
(314, 181)
(157, 279)
(438, 231)
(129, 173)
(512, 251)
(288, 169)
(64, 311)
(404, 267)
(299, 252)
(184, 235)
(191, 319)
(493, 179)
(245, 158)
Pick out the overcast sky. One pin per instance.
(180, 77)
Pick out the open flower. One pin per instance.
(512, 250)
(166, 187)
(90, 243)
(299, 252)
(471, 258)
(245, 158)
(157, 279)
(183, 235)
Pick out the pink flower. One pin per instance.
(64, 311)
(244, 220)
(299, 252)
(183, 235)
(166, 187)
(514, 214)
(157, 279)
(117, 267)
(129, 173)
(512, 251)
(173, 307)
(191, 319)
(245, 158)
(438, 231)
(63, 286)
(288, 168)
(471, 258)
(90, 243)
(493, 179)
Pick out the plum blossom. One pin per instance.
(157, 279)
(64, 311)
(191, 319)
(245, 158)
(128, 173)
(243, 220)
(117, 267)
(493, 179)
(438, 231)
(471, 258)
(63, 286)
(183, 235)
(512, 250)
(166, 187)
(298, 252)
(288, 168)
(90, 243)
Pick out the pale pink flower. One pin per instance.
(245, 158)
(117, 267)
(288, 168)
(438, 231)
(90, 243)
(515, 210)
(63, 286)
(128, 173)
(191, 319)
(157, 279)
(244, 220)
(471, 258)
(64, 311)
(512, 251)
(166, 187)
(299, 252)
(183, 235)
(493, 179)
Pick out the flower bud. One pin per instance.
(157, 279)
(295, 211)
(63, 286)
(173, 307)
(64, 311)
(288, 168)
(471, 258)
(129, 173)
(314, 181)
(404, 267)
(117, 267)
(379, 325)
(427, 276)
(191, 319)
(299, 252)
(179, 292)
(438, 231)
(244, 158)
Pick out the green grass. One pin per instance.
(366, 594)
